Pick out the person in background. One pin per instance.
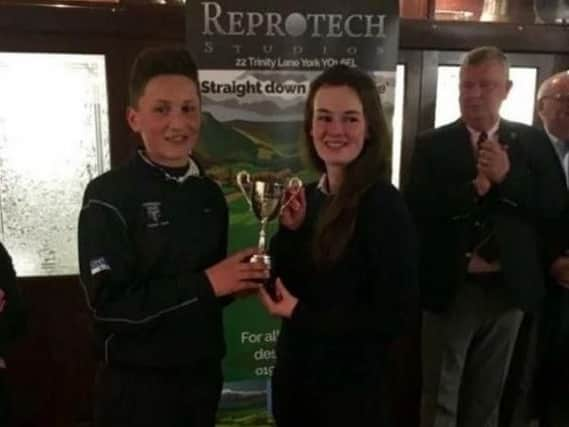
(553, 370)
(152, 248)
(478, 190)
(12, 326)
(345, 255)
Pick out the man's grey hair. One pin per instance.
(484, 54)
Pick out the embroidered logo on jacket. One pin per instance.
(154, 214)
(98, 265)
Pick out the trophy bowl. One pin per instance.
(266, 199)
(265, 195)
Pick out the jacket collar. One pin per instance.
(192, 171)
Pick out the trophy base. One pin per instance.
(268, 284)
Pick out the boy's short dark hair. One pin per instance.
(157, 61)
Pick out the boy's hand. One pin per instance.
(2, 300)
(237, 274)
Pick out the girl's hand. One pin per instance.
(285, 304)
(294, 211)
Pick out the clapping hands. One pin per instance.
(493, 160)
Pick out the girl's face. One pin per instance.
(339, 127)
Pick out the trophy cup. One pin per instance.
(265, 196)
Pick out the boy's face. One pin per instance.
(167, 117)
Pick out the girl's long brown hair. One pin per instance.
(336, 223)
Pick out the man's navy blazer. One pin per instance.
(445, 205)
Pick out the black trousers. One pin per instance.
(139, 397)
(298, 403)
(553, 381)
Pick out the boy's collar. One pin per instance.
(192, 171)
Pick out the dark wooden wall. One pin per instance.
(52, 369)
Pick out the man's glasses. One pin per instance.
(559, 97)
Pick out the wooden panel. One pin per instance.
(148, 21)
(51, 370)
(519, 11)
(474, 6)
(413, 62)
(446, 35)
(167, 24)
(414, 9)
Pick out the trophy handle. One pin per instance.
(295, 185)
(243, 179)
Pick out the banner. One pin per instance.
(256, 61)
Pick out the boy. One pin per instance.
(152, 243)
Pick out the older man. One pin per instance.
(477, 190)
(553, 108)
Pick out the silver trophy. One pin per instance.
(265, 196)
